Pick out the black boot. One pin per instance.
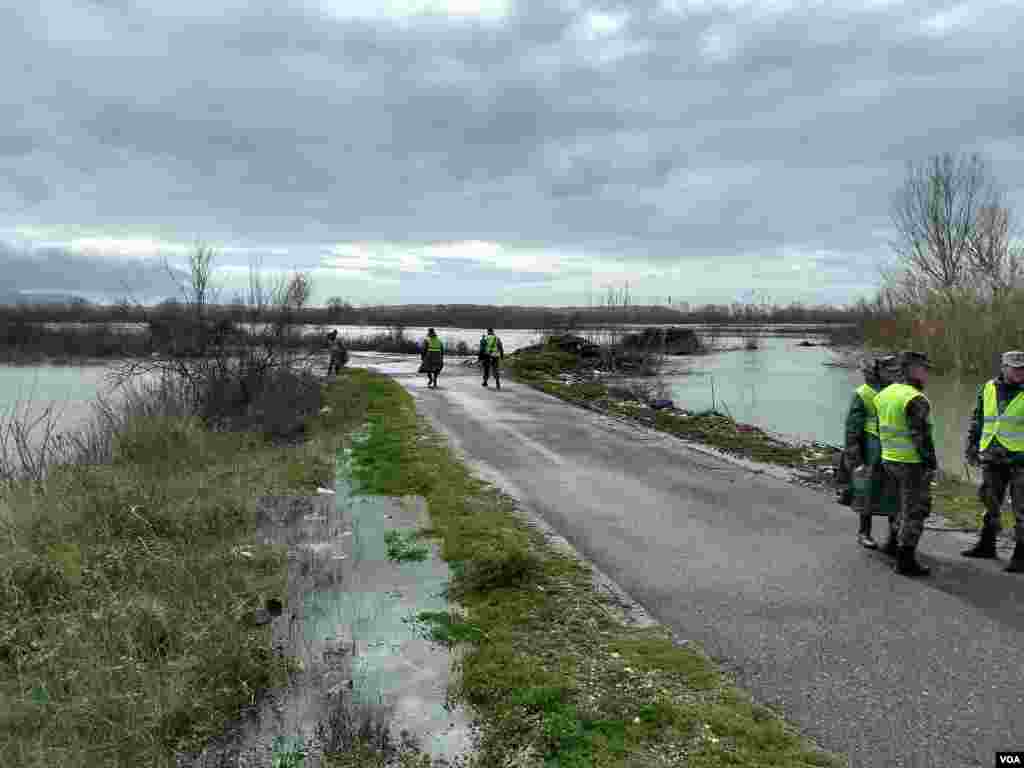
(986, 546)
(907, 565)
(892, 544)
(1017, 561)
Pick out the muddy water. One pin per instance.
(347, 618)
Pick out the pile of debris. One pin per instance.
(568, 342)
(668, 341)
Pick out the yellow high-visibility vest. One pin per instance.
(1008, 426)
(491, 345)
(893, 429)
(868, 395)
(434, 344)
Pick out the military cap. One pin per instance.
(908, 359)
(1014, 359)
(889, 363)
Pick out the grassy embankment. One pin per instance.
(556, 679)
(548, 370)
(127, 585)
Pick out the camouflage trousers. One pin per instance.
(915, 499)
(996, 478)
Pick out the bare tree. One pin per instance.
(995, 265)
(197, 287)
(936, 214)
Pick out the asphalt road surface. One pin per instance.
(766, 575)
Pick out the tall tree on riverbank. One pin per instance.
(938, 214)
(995, 263)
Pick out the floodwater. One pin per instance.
(27, 391)
(781, 387)
(349, 617)
(788, 389)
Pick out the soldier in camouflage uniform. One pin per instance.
(995, 441)
(863, 451)
(908, 454)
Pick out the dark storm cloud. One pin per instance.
(57, 269)
(715, 131)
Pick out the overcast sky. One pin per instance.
(489, 151)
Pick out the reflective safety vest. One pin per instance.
(491, 345)
(1008, 426)
(893, 429)
(868, 395)
(434, 344)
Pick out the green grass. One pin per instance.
(402, 547)
(555, 680)
(124, 587)
(444, 628)
(958, 502)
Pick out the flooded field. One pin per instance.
(780, 386)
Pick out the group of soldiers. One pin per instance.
(490, 354)
(891, 455)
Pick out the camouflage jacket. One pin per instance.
(856, 418)
(919, 423)
(996, 453)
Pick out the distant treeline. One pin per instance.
(449, 315)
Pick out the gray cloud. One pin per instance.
(58, 270)
(280, 124)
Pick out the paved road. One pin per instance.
(766, 575)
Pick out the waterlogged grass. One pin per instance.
(124, 590)
(445, 628)
(725, 434)
(555, 678)
(402, 547)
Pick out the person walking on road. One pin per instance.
(863, 450)
(338, 353)
(908, 454)
(995, 441)
(492, 353)
(433, 357)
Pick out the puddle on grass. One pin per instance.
(366, 669)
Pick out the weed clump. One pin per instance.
(402, 547)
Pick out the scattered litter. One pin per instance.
(315, 517)
(339, 557)
(326, 492)
(325, 409)
(347, 533)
